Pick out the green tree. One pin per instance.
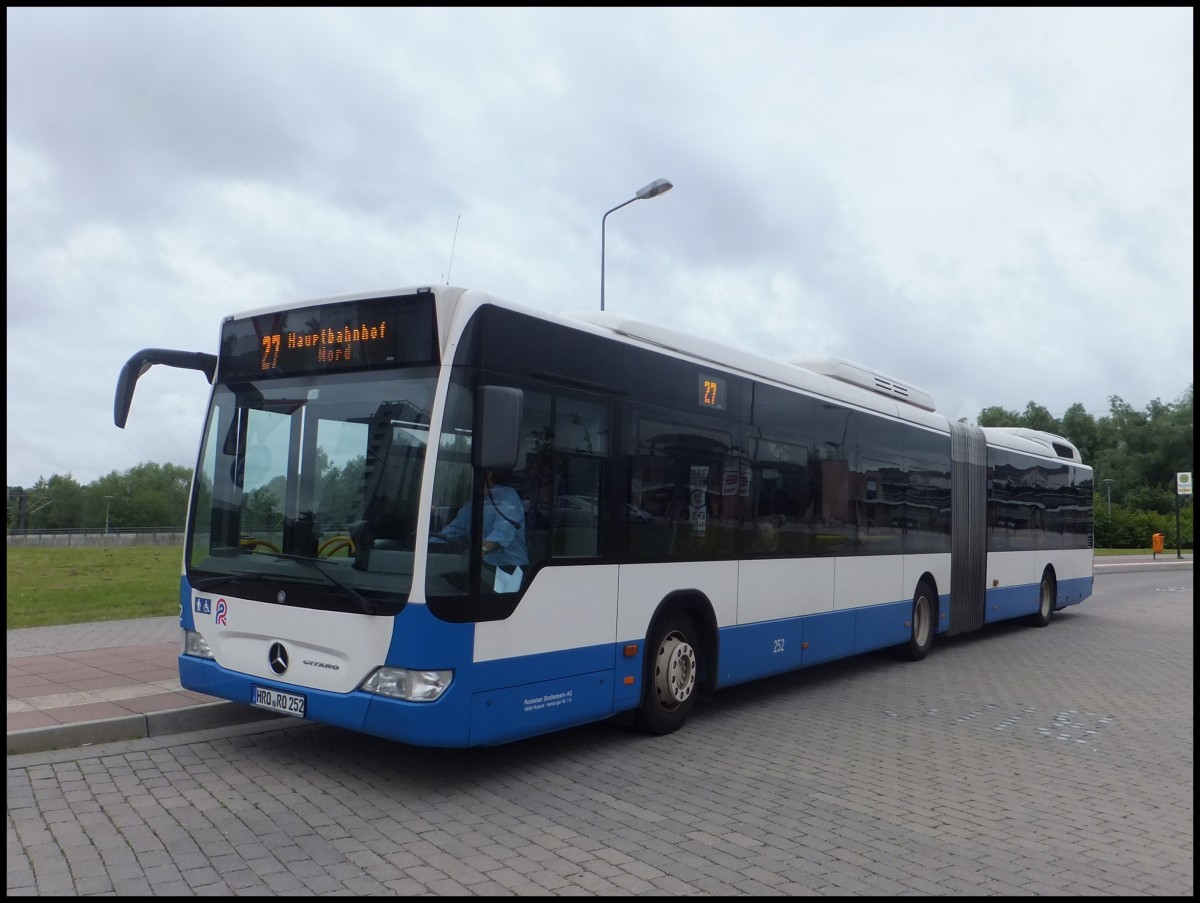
(59, 504)
(1080, 427)
(1037, 417)
(997, 416)
(1135, 455)
(156, 495)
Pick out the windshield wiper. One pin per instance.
(232, 577)
(365, 605)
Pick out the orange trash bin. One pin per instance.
(1156, 542)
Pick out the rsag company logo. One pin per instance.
(204, 606)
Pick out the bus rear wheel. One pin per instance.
(669, 691)
(1046, 598)
(924, 617)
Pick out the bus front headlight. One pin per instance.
(408, 684)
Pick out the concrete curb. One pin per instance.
(134, 727)
(1100, 566)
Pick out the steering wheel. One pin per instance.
(335, 544)
(250, 543)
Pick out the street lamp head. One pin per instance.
(654, 189)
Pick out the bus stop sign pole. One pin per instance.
(1183, 486)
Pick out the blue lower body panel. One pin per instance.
(775, 647)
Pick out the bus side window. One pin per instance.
(563, 449)
(782, 499)
(535, 474)
(678, 473)
(580, 446)
(576, 520)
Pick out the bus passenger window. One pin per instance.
(563, 452)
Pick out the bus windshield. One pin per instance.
(307, 488)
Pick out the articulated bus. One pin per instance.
(692, 516)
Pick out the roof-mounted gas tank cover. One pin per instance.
(866, 378)
(1025, 439)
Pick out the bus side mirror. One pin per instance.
(498, 435)
(147, 358)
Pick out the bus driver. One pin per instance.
(503, 531)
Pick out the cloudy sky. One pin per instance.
(994, 205)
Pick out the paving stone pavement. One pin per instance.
(113, 680)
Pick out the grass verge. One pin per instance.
(52, 586)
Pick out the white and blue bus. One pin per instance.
(690, 516)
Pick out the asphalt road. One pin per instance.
(1013, 761)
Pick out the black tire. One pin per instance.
(671, 676)
(923, 621)
(1047, 593)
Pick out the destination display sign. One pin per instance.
(340, 335)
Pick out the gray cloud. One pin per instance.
(993, 204)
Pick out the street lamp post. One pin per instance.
(107, 500)
(1108, 485)
(653, 190)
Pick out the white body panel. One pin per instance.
(243, 642)
(868, 581)
(1006, 569)
(915, 566)
(1073, 563)
(777, 588)
(563, 608)
(1018, 568)
(571, 607)
(643, 586)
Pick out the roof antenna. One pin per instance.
(452, 244)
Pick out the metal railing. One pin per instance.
(97, 536)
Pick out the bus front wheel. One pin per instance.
(669, 691)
